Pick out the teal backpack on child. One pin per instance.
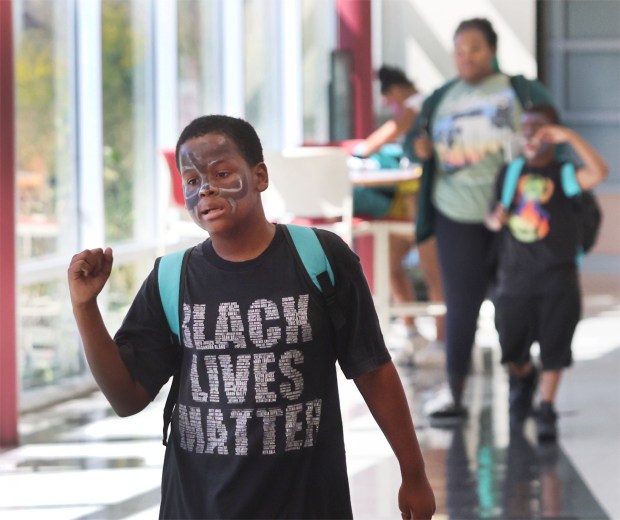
(589, 211)
(309, 253)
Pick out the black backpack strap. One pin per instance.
(171, 401)
(329, 294)
(173, 394)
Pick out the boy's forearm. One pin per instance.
(126, 396)
(595, 168)
(385, 397)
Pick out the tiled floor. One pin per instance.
(78, 461)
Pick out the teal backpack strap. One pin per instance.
(569, 180)
(511, 179)
(169, 277)
(169, 280)
(314, 260)
(311, 252)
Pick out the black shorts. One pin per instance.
(549, 318)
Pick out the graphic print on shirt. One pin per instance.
(470, 127)
(247, 382)
(529, 221)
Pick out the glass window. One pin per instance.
(46, 190)
(129, 154)
(262, 80)
(199, 80)
(125, 281)
(319, 39)
(45, 167)
(48, 347)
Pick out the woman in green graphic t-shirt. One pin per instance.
(465, 132)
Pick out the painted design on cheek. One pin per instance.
(234, 194)
(196, 182)
(192, 186)
(231, 194)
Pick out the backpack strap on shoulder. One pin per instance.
(169, 281)
(569, 180)
(315, 262)
(170, 274)
(509, 188)
(311, 252)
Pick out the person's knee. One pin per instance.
(519, 370)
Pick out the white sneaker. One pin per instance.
(433, 354)
(441, 398)
(404, 356)
(442, 412)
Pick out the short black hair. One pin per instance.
(545, 110)
(390, 76)
(479, 24)
(240, 131)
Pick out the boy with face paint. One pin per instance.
(538, 296)
(257, 429)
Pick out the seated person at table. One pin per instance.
(398, 202)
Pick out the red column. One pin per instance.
(8, 329)
(354, 35)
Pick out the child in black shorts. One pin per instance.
(538, 296)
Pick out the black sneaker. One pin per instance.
(448, 415)
(546, 422)
(521, 394)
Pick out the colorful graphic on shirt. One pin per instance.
(529, 221)
(238, 393)
(471, 127)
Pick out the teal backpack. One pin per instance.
(309, 253)
(589, 211)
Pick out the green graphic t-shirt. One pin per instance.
(475, 132)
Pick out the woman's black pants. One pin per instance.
(466, 262)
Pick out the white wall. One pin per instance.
(417, 36)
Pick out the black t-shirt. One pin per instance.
(539, 243)
(257, 430)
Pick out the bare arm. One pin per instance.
(87, 274)
(595, 169)
(388, 132)
(385, 397)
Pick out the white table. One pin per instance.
(363, 177)
(381, 229)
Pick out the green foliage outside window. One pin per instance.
(120, 59)
(36, 72)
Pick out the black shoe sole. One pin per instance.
(447, 421)
(547, 438)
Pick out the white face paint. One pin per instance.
(530, 124)
(204, 175)
(530, 147)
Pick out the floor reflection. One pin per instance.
(85, 463)
(81, 463)
(481, 469)
(522, 479)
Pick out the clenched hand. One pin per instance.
(88, 273)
